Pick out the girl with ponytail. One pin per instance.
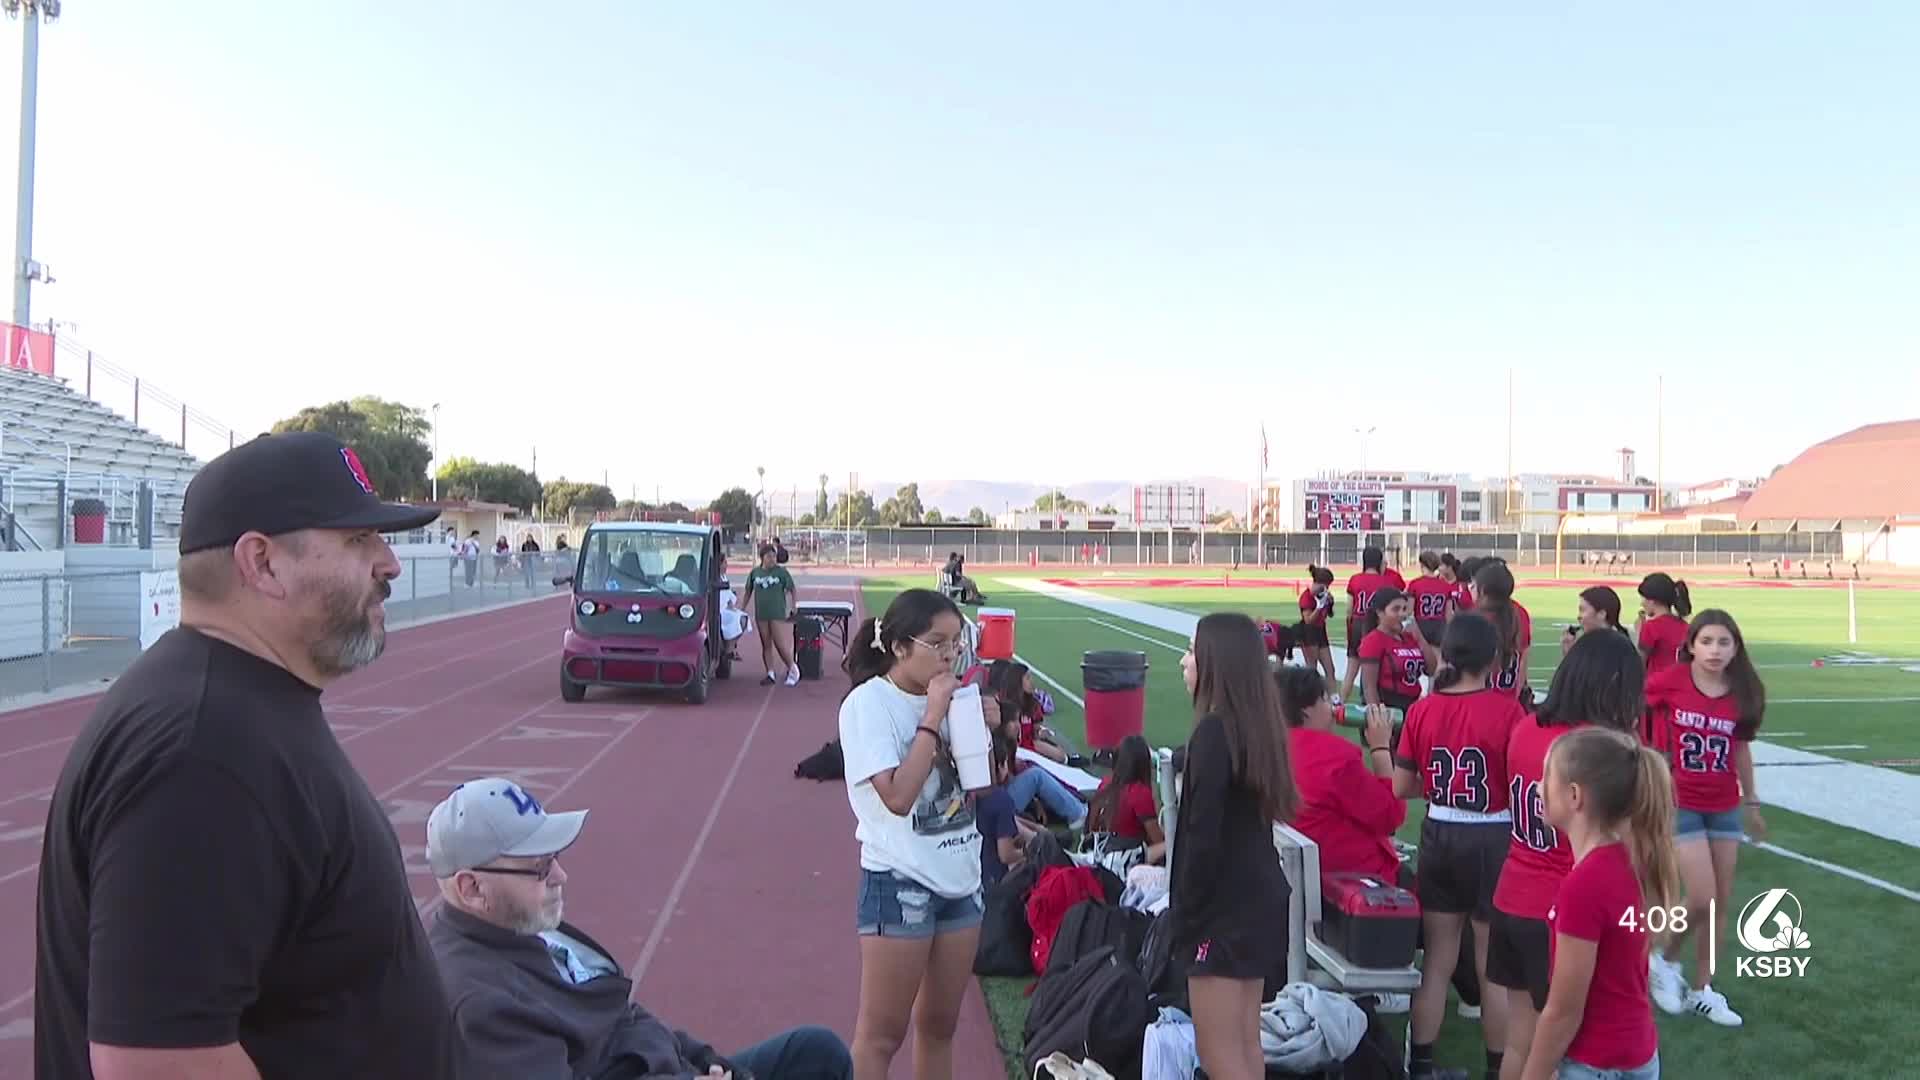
(1493, 597)
(1661, 628)
(1453, 753)
(919, 907)
(1613, 798)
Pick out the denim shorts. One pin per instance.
(1573, 1070)
(1718, 825)
(897, 907)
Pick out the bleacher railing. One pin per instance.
(149, 407)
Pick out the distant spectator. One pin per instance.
(470, 554)
(774, 597)
(529, 558)
(533, 995)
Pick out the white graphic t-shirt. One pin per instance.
(936, 843)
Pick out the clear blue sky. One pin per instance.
(1114, 239)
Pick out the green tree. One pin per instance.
(820, 505)
(1067, 506)
(904, 507)
(735, 507)
(560, 498)
(863, 511)
(977, 516)
(933, 517)
(465, 478)
(389, 438)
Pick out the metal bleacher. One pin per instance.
(1309, 959)
(52, 437)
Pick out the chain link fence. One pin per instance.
(74, 628)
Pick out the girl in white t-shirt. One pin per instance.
(920, 901)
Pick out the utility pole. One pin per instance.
(1660, 442)
(25, 270)
(1509, 442)
(435, 479)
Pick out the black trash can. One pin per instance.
(1115, 682)
(809, 639)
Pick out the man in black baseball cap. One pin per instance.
(220, 893)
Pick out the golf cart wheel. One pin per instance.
(702, 682)
(571, 691)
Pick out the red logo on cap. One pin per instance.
(359, 471)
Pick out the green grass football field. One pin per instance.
(1849, 1015)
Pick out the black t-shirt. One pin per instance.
(1227, 881)
(214, 870)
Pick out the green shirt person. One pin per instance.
(773, 606)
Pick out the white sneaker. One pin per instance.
(1468, 1012)
(1392, 1004)
(1667, 984)
(793, 677)
(1709, 1003)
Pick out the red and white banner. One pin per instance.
(29, 350)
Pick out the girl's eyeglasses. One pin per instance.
(944, 648)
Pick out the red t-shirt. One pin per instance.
(1360, 589)
(1314, 608)
(1458, 743)
(1696, 732)
(1348, 811)
(1661, 639)
(1462, 596)
(1511, 678)
(1538, 857)
(1394, 579)
(1431, 599)
(1616, 1029)
(1401, 660)
(1135, 808)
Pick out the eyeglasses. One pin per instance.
(542, 871)
(947, 648)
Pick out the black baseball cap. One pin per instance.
(283, 483)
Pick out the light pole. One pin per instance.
(758, 507)
(1364, 436)
(435, 478)
(25, 270)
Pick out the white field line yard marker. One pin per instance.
(1051, 681)
(1843, 701)
(1836, 746)
(1843, 871)
(1181, 649)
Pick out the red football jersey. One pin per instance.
(1316, 609)
(1360, 589)
(1696, 732)
(1512, 678)
(1459, 743)
(1431, 599)
(1538, 857)
(1394, 579)
(1402, 661)
(1661, 639)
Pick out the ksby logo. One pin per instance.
(1772, 922)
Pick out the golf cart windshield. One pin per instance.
(642, 562)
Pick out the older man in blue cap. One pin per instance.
(535, 998)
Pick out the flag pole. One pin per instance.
(1260, 502)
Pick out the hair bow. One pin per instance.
(877, 646)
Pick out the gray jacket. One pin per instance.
(519, 1019)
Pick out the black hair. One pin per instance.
(1661, 588)
(1320, 574)
(1373, 559)
(1601, 681)
(1386, 595)
(1132, 764)
(1429, 562)
(1493, 597)
(1007, 682)
(909, 616)
(1604, 600)
(1749, 693)
(1452, 562)
(1468, 647)
(1300, 688)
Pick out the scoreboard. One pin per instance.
(1345, 506)
(1162, 505)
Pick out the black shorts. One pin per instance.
(1312, 635)
(1245, 951)
(1460, 866)
(1517, 955)
(1353, 637)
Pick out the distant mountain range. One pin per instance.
(953, 498)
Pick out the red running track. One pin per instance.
(723, 883)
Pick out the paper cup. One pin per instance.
(972, 744)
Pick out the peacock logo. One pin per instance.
(1772, 922)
